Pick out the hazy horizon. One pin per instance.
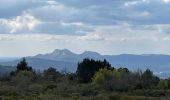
(112, 27)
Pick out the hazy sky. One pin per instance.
(29, 27)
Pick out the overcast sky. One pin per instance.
(30, 27)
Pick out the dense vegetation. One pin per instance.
(93, 80)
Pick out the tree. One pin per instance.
(23, 65)
(149, 80)
(87, 68)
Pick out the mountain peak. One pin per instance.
(62, 52)
(90, 52)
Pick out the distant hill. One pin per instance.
(41, 64)
(6, 59)
(65, 59)
(6, 69)
(68, 56)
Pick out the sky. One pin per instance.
(30, 27)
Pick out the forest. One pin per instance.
(93, 80)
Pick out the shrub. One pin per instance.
(163, 84)
(25, 73)
(104, 78)
(51, 74)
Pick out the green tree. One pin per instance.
(149, 80)
(87, 68)
(23, 65)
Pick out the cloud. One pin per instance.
(73, 23)
(75, 17)
(135, 2)
(21, 23)
(166, 1)
(91, 37)
(118, 40)
(106, 26)
(104, 39)
(13, 8)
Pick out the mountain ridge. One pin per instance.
(64, 58)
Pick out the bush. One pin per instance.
(25, 73)
(51, 74)
(112, 79)
(104, 78)
(163, 84)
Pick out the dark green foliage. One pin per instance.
(149, 80)
(23, 65)
(87, 68)
(169, 82)
(72, 76)
(124, 70)
(163, 84)
(51, 74)
(50, 86)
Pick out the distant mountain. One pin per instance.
(154, 62)
(65, 59)
(6, 69)
(90, 54)
(41, 64)
(6, 59)
(59, 55)
(66, 55)
(59, 58)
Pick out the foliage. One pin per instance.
(149, 80)
(23, 65)
(168, 82)
(87, 68)
(107, 84)
(24, 73)
(163, 84)
(104, 78)
(51, 74)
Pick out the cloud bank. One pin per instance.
(105, 26)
